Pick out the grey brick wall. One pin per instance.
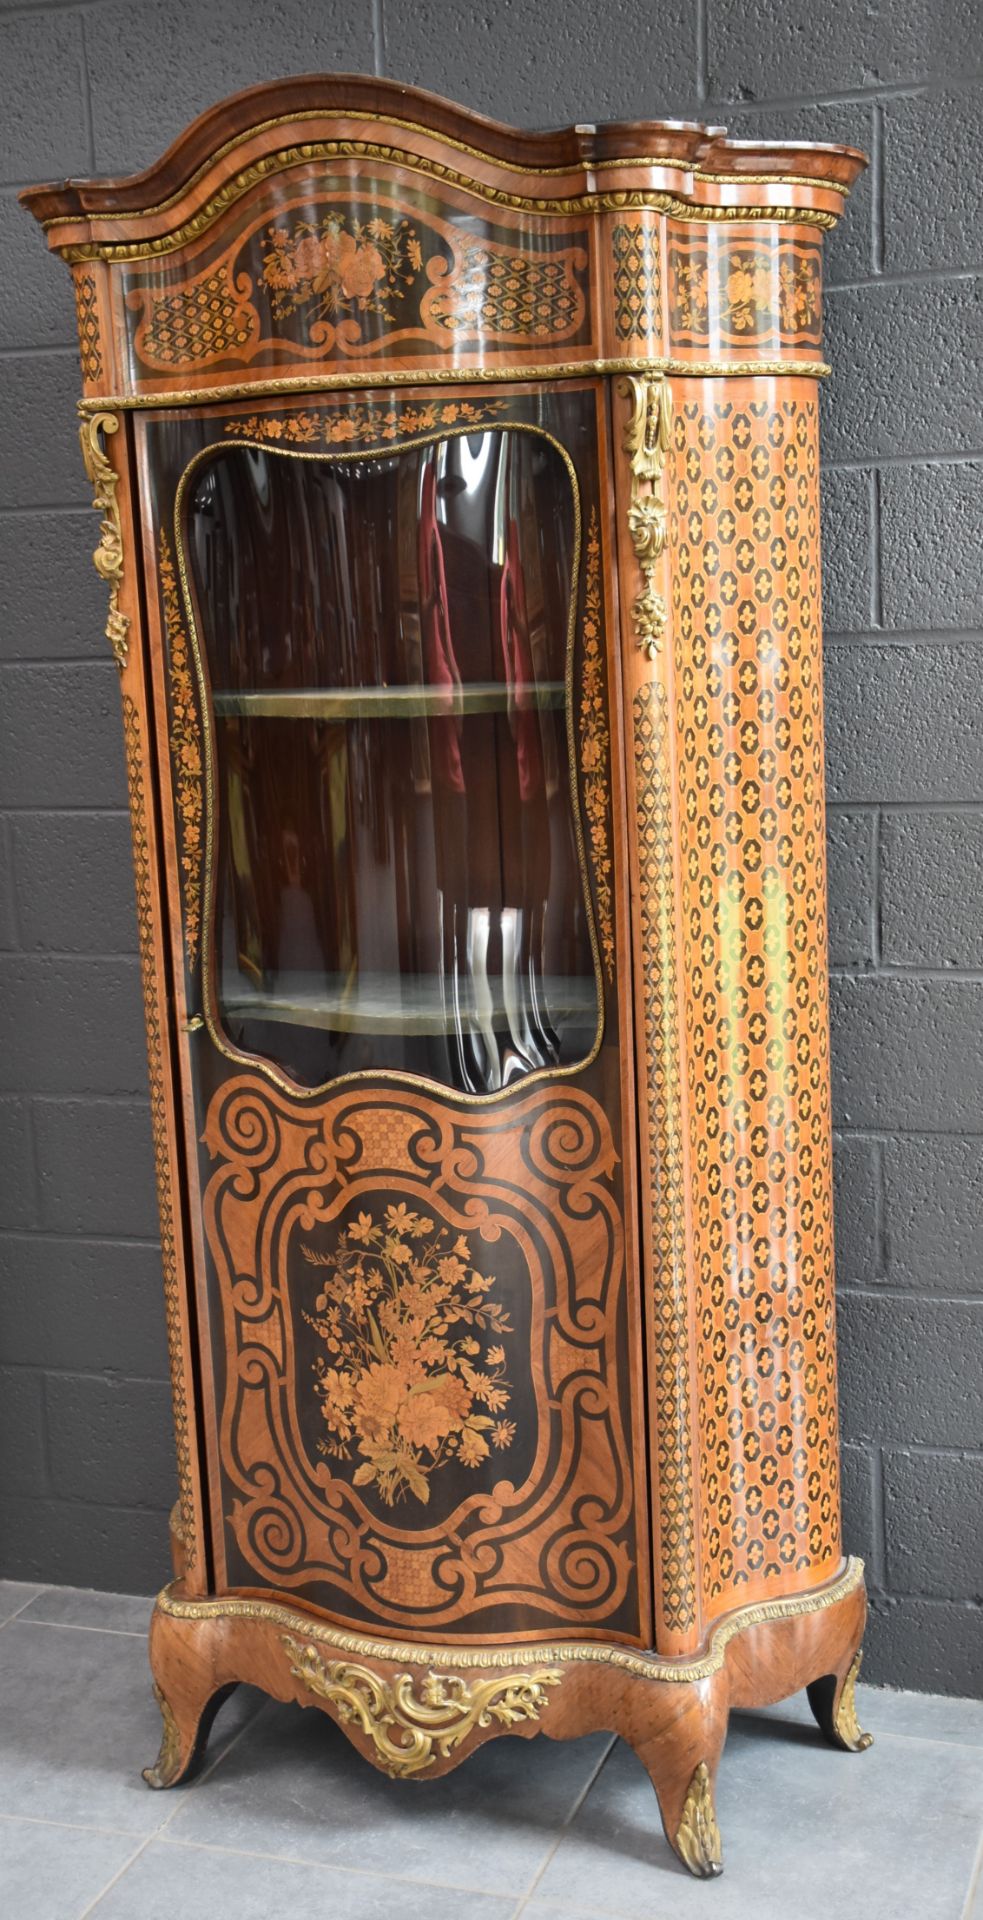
(85, 1464)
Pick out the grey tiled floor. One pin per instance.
(286, 1820)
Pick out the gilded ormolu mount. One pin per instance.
(698, 1836)
(647, 441)
(108, 556)
(412, 1723)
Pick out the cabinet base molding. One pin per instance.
(415, 1711)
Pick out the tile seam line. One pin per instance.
(904, 277)
(78, 1626)
(975, 1881)
(171, 1839)
(86, 76)
(69, 1826)
(918, 1740)
(21, 12)
(900, 1295)
(11, 1617)
(894, 971)
(93, 1906)
(524, 1898)
(927, 808)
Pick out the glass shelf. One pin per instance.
(399, 1003)
(400, 703)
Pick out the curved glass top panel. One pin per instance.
(399, 882)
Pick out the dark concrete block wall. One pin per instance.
(86, 1470)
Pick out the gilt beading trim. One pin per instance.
(267, 165)
(563, 1653)
(673, 162)
(450, 376)
(184, 1527)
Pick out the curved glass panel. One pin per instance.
(398, 881)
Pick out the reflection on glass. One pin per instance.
(398, 886)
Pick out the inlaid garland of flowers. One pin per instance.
(409, 1379)
(363, 425)
(340, 265)
(746, 298)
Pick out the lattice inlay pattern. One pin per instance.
(87, 320)
(514, 295)
(744, 539)
(656, 888)
(200, 322)
(637, 283)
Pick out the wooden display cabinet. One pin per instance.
(459, 495)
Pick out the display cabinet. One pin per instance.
(459, 495)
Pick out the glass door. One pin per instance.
(385, 640)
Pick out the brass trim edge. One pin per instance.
(451, 376)
(651, 1666)
(183, 1518)
(282, 159)
(669, 161)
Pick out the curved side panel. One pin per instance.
(744, 546)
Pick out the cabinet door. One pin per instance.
(390, 765)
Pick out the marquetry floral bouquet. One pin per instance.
(337, 264)
(748, 301)
(409, 1378)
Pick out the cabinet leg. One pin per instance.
(184, 1737)
(834, 1706)
(678, 1733)
(189, 1687)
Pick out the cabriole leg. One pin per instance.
(678, 1732)
(834, 1705)
(189, 1694)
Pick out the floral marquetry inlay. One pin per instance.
(337, 277)
(364, 425)
(336, 268)
(595, 748)
(413, 1371)
(423, 1321)
(186, 751)
(725, 292)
